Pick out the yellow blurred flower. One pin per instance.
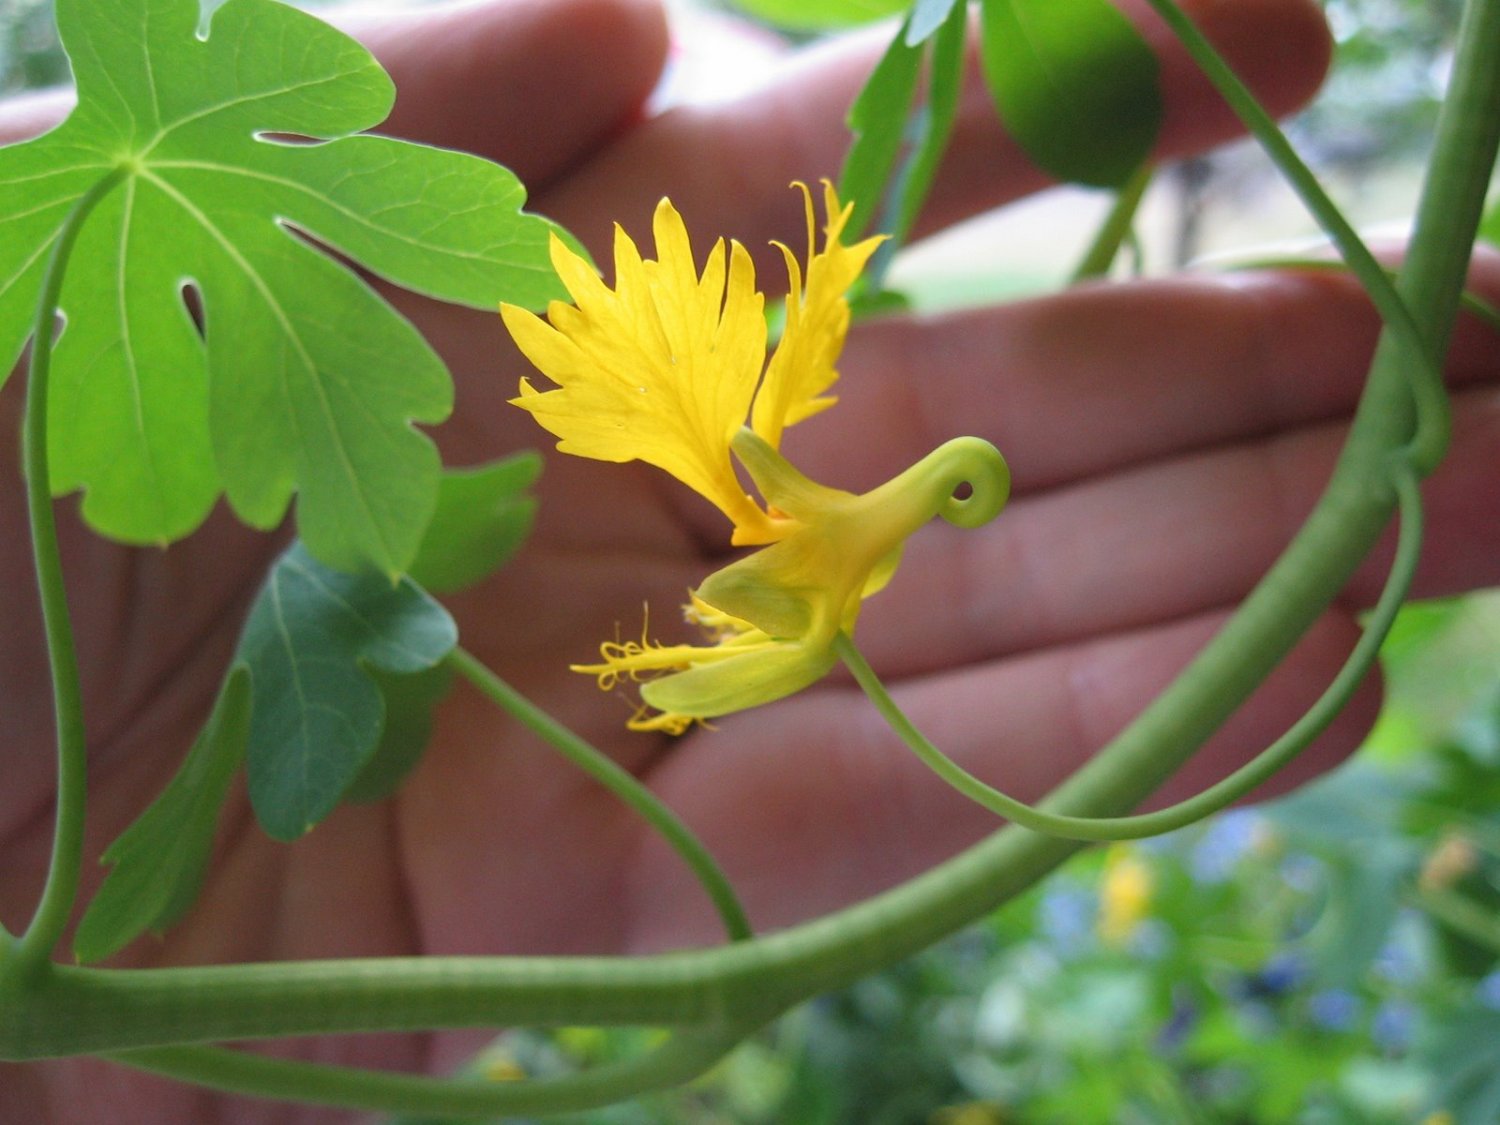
(1453, 858)
(666, 368)
(1124, 895)
(970, 1113)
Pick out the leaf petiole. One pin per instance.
(60, 890)
(617, 780)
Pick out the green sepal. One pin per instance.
(750, 679)
(157, 864)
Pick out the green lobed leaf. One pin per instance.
(300, 379)
(810, 15)
(1075, 84)
(483, 516)
(312, 639)
(157, 864)
(1462, 1057)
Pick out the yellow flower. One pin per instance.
(666, 368)
(1125, 897)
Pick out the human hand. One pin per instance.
(1164, 439)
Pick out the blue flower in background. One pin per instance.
(1403, 959)
(1183, 1019)
(1066, 918)
(1487, 991)
(1333, 1009)
(1228, 837)
(1282, 973)
(1394, 1025)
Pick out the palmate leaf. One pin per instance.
(293, 375)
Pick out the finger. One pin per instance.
(533, 84)
(727, 165)
(1162, 542)
(815, 804)
(1102, 377)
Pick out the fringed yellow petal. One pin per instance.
(817, 319)
(661, 368)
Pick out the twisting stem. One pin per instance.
(1238, 784)
(684, 1056)
(618, 781)
(61, 888)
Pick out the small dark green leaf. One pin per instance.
(899, 140)
(408, 702)
(158, 862)
(483, 516)
(810, 15)
(1075, 84)
(936, 123)
(870, 303)
(318, 715)
(878, 120)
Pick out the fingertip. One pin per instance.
(535, 84)
(1281, 49)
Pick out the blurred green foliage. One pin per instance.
(30, 55)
